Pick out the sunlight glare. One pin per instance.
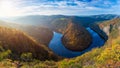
(6, 8)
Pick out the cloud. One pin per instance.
(64, 7)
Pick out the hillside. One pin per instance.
(59, 22)
(104, 57)
(111, 27)
(39, 33)
(39, 19)
(59, 33)
(20, 43)
(76, 37)
(107, 56)
(106, 16)
(59, 25)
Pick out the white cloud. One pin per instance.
(29, 7)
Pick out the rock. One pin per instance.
(76, 38)
(100, 31)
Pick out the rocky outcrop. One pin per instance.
(76, 37)
(110, 27)
(107, 29)
(98, 30)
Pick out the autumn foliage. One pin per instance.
(19, 42)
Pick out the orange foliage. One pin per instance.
(19, 42)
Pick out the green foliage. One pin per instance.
(5, 54)
(107, 56)
(114, 33)
(104, 57)
(62, 18)
(26, 56)
(60, 24)
(19, 42)
(1, 48)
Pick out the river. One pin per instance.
(58, 48)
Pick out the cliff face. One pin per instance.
(100, 31)
(76, 37)
(111, 27)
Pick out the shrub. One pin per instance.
(5, 54)
(26, 56)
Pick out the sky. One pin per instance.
(11, 8)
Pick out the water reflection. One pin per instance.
(58, 48)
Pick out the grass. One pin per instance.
(20, 43)
(107, 56)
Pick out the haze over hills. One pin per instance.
(59, 33)
(96, 56)
(59, 22)
(38, 26)
(106, 16)
(19, 43)
(36, 32)
(42, 33)
(39, 19)
(42, 29)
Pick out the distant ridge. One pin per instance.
(44, 19)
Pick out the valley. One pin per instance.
(66, 42)
(59, 33)
(57, 47)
